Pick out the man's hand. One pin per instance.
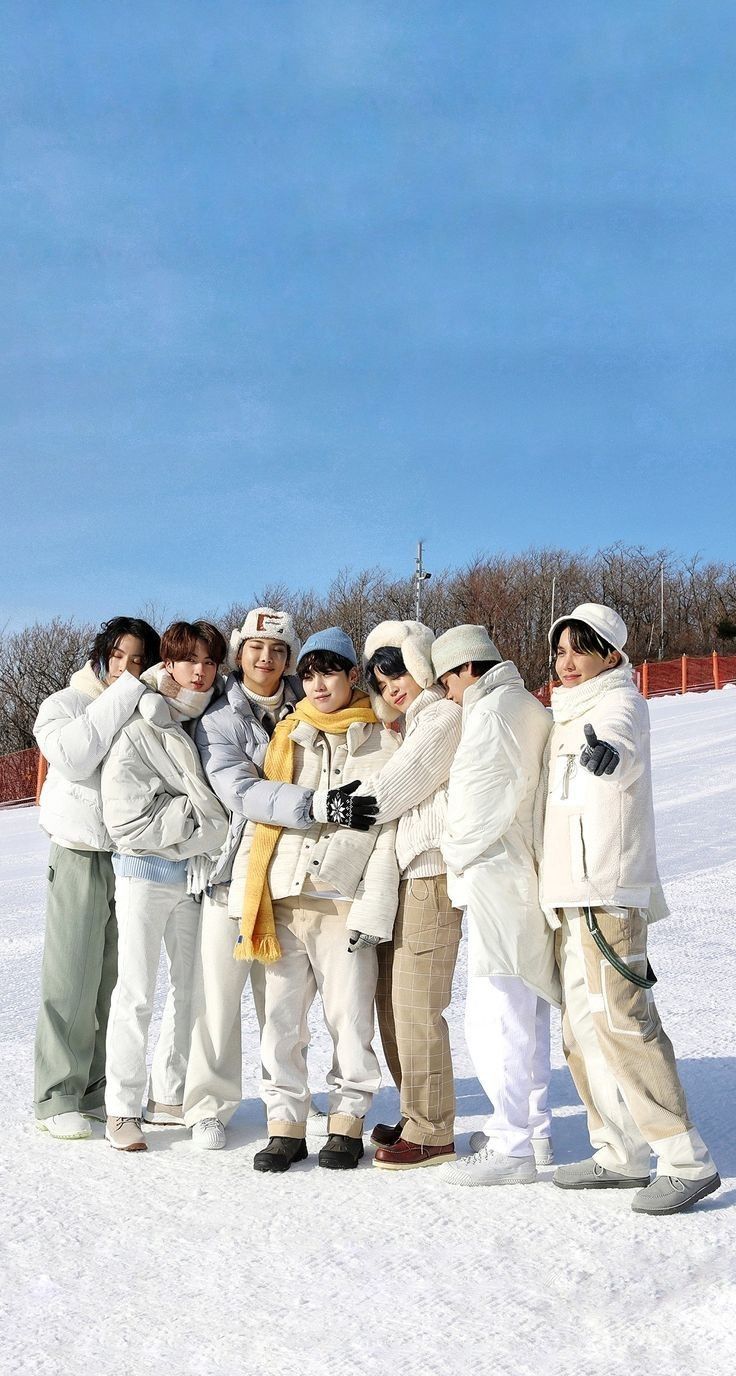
(598, 756)
(344, 810)
(358, 941)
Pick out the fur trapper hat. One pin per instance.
(264, 623)
(415, 643)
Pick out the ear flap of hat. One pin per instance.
(417, 652)
(236, 640)
(382, 709)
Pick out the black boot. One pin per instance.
(341, 1153)
(280, 1153)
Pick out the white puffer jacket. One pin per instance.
(489, 843)
(412, 786)
(75, 729)
(360, 865)
(598, 843)
(155, 798)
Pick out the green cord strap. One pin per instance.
(641, 981)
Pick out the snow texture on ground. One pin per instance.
(186, 1262)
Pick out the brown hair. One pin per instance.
(180, 638)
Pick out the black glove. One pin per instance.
(343, 810)
(358, 941)
(598, 756)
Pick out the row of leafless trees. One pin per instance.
(511, 594)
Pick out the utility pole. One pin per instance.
(419, 577)
(661, 611)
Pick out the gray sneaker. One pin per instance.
(670, 1194)
(125, 1134)
(591, 1175)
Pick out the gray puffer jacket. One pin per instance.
(232, 743)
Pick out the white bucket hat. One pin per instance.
(414, 640)
(264, 623)
(604, 620)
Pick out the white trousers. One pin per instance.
(312, 933)
(147, 915)
(214, 1083)
(507, 1034)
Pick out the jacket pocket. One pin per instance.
(578, 870)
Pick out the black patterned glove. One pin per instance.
(344, 810)
(598, 756)
(359, 941)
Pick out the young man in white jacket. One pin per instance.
(489, 851)
(75, 729)
(600, 888)
(167, 826)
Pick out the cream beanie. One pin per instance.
(263, 623)
(415, 643)
(460, 646)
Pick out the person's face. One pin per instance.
(263, 663)
(575, 666)
(129, 653)
(330, 690)
(197, 673)
(457, 682)
(399, 692)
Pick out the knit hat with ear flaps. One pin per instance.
(604, 620)
(264, 623)
(463, 645)
(415, 643)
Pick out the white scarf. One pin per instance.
(569, 703)
(86, 681)
(183, 703)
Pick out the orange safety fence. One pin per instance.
(21, 777)
(688, 674)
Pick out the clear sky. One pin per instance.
(286, 285)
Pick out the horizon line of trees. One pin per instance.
(510, 594)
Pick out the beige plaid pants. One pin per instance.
(414, 988)
(619, 1055)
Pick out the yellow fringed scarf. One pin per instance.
(258, 940)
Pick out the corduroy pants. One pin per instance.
(77, 979)
(619, 1055)
(415, 974)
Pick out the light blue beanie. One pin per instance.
(332, 639)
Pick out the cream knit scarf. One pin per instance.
(569, 703)
(183, 703)
(86, 681)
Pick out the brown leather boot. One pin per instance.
(406, 1156)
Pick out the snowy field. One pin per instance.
(184, 1262)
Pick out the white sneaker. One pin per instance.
(317, 1122)
(66, 1127)
(544, 1152)
(489, 1167)
(209, 1134)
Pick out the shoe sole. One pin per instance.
(626, 1183)
(415, 1165)
(160, 1120)
(134, 1146)
(504, 1180)
(63, 1137)
(708, 1187)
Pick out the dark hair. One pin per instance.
(323, 662)
(477, 667)
(390, 661)
(179, 640)
(112, 631)
(583, 639)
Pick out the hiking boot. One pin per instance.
(670, 1194)
(280, 1153)
(125, 1134)
(166, 1115)
(544, 1154)
(489, 1167)
(65, 1127)
(407, 1156)
(341, 1153)
(209, 1134)
(591, 1175)
(386, 1136)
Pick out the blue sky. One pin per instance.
(288, 285)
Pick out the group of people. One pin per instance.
(281, 823)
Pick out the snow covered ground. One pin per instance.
(192, 1263)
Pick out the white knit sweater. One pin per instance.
(413, 784)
